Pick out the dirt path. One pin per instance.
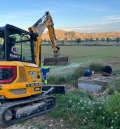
(42, 120)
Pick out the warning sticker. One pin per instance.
(33, 73)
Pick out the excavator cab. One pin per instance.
(16, 45)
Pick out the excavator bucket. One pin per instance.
(56, 61)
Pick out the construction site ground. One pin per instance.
(42, 120)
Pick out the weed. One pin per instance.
(83, 112)
(21, 123)
(32, 126)
(68, 126)
(58, 79)
(96, 65)
(113, 86)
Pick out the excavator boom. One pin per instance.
(38, 28)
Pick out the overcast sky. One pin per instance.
(71, 15)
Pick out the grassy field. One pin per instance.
(78, 109)
(80, 54)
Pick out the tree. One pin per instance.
(97, 40)
(78, 40)
(49, 41)
(107, 40)
(91, 40)
(62, 41)
(117, 40)
(69, 32)
(72, 33)
(103, 39)
(65, 39)
(71, 40)
(86, 39)
(45, 40)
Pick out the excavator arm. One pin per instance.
(37, 29)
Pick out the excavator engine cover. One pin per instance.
(56, 61)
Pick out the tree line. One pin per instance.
(79, 40)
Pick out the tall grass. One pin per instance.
(59, 79)
(96, 65)
(113, 86)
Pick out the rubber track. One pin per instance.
(6, 106)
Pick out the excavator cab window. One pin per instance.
(26, 47)
(2, 45)
(19, 46)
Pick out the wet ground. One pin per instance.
(66, 69)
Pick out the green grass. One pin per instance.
(23, 124)
(88, 112)
(80, 54)
(83, 53)
(113, 86)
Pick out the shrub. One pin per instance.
(113, 109)
(113, 86)
(96, 65)
(58, 79)
(78, 40)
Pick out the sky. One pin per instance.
(82, 16)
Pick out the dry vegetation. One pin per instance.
(60, 34)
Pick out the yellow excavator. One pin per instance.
(22, 94)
